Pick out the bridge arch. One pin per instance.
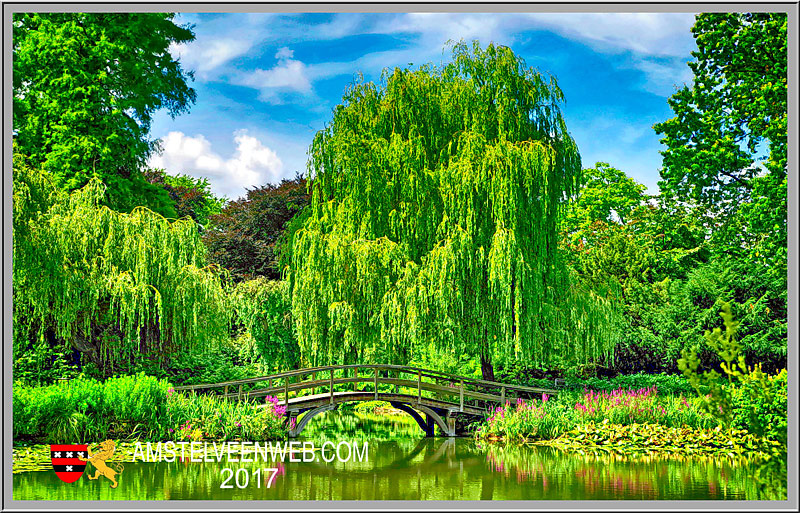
(433, 417)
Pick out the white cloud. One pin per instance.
(444, 26)
(252, 164)
(284, 53)
(643, 33)
(656, 44)
(209, 56)
(662, 77)
(287, 77)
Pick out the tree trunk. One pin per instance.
(486, 369)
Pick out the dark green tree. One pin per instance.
(85, 88)
(245, 237)
(726, 145)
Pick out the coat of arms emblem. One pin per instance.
(65, 459)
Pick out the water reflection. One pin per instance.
(403, 465)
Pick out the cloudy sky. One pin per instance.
(267, 82)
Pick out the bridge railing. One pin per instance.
(384, 381)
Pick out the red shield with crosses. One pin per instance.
(65, 458)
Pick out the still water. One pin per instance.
(403, 465)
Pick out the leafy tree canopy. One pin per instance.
(246, 235)
(606, 195)
(117, 287)
(85, 88)
(434, 205)
(189, 196)
(726, 145)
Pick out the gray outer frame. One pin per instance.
(791, 504)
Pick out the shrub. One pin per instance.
(193, 417)
(136, 407)
(759, 403)
(83, 409)
(762, 414)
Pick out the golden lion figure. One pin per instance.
(98, 459)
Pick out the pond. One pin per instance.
(401, 464)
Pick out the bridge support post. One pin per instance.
(429, 429)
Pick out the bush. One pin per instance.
(135, 407)
(665, 383)
(230, 360)
(762, 414)
(192, 417)
(84, 409)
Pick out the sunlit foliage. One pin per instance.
(435, 197)
(117, 287)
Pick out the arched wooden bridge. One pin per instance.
(439, 396)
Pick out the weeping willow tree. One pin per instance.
(261, 308)
(435, 199)
(117, 287)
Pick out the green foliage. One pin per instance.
(246, 236)
(761, 394)
(230, 359)
(735, 107)
(86, 86)
(120, 288)
(667, 384)
(433, 219)
(737, 100)
(192, 417)
(607, 195)
(668, 272)
(533, 420)
(553, 416)
(40, 363)
(262, 307)
(757, 300)
(85, 410)
(191, 197)
(759, 405)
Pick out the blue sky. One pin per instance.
(267, 82)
